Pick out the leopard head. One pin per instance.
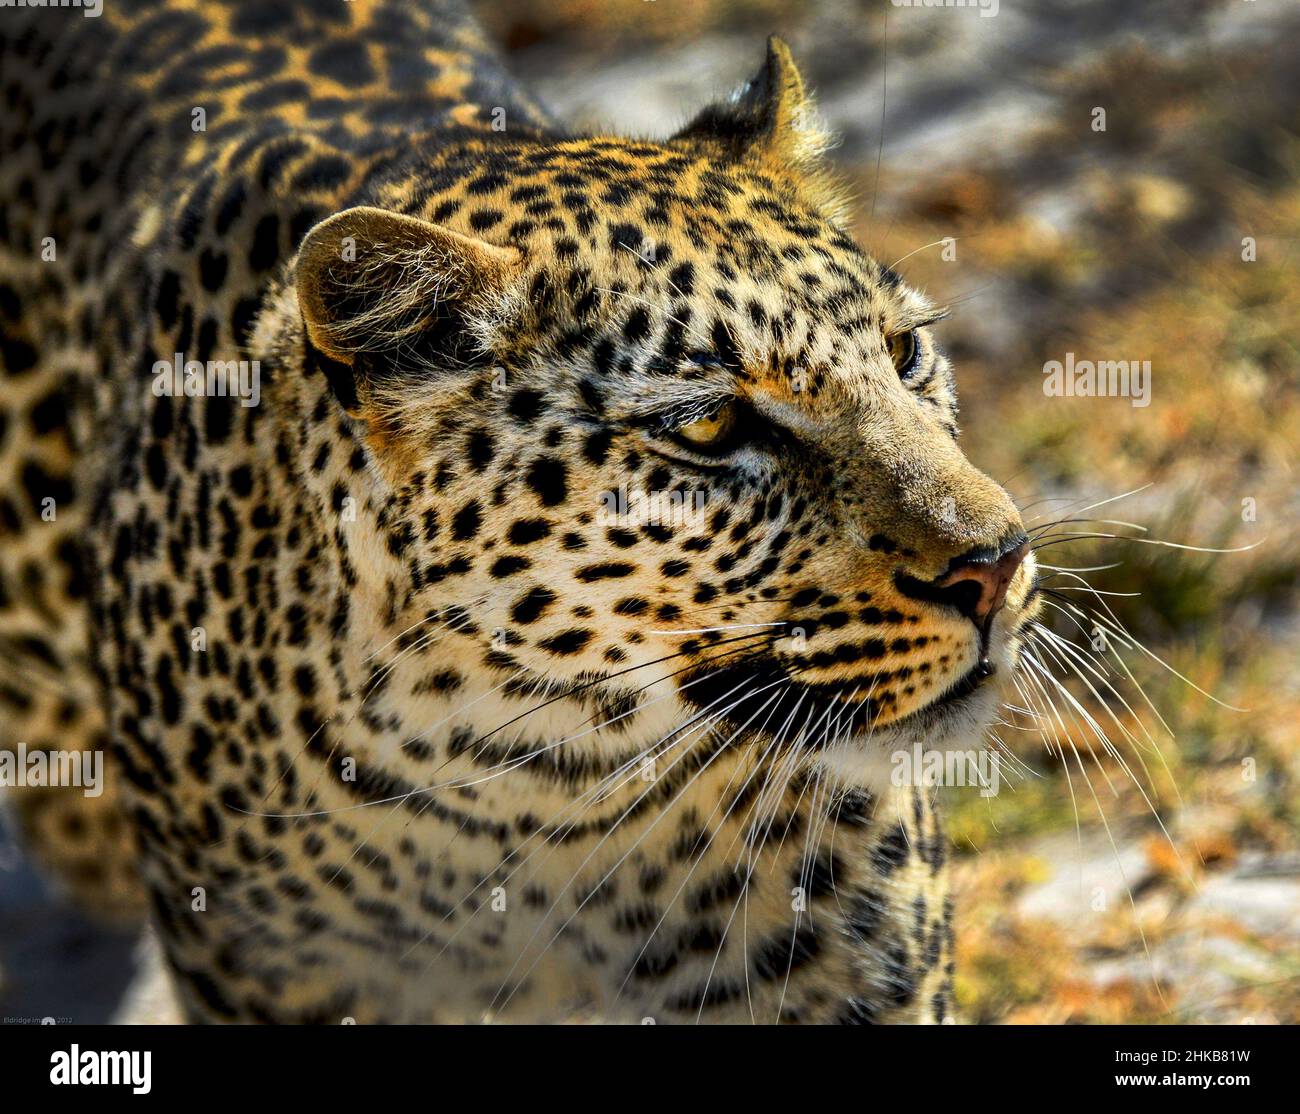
(642, 418)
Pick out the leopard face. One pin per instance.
(697, 451)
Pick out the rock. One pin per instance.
(1266, 906)
(1087, 888)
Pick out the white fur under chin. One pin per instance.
(868, 760)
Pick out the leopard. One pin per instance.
(499, 564)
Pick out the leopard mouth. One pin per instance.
(767, 698)
(957, 693)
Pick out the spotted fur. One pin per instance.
(405, 727)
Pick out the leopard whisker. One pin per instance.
(1095, 663)
(830, 716)
(569, 806)
(650, 262)
(1111, 748)
(812, 843)
(755, 769)
(1114, 847)
(1041, 530)
(769, 789)
(1096, 618)
(1072, 503)
(1018, 767)
(369, 689)
(1075, 535)
(1117, 629)
(756, 647)
(451, 784)
(1088, 568)
(652, 825)
(759, 766)
(429, 617)
(578, 806)
(819, 818)
(756, 641)
(744, 828)
(512, 764)
(1094, 591)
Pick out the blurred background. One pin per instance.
(1157, 880)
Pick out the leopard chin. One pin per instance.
(955, 723)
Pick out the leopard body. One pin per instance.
(409, 714)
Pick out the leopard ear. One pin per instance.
(772, 116)
(382, 293)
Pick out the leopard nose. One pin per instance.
(976, 582)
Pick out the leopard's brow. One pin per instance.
(693, 391)
(915, 313)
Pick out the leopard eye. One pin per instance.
(712, 435)
(903, 350)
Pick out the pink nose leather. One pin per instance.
(993, 578)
